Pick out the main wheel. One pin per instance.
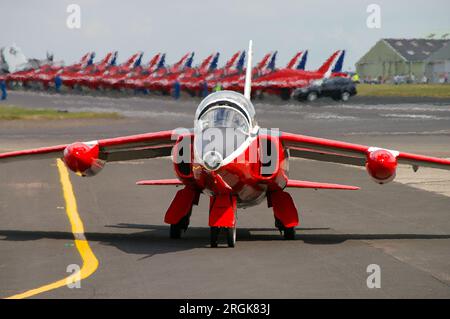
(285, 94)
(345, 96)
(231, 236)
(214, 236)
(178, 228)
(311, 97)
(175, 231)
(289, 233)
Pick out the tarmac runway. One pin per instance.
(122, 244)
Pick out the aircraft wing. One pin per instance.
(348, 153)
(149, 145)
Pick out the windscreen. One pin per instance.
(220, 131)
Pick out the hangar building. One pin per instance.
(406, 57)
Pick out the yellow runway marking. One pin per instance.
(90, 262)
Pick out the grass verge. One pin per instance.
(10, 112)
(405, 90)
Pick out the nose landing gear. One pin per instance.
(222, 216)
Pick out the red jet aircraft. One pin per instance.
(194, 85)
(85, 76)
(284, 81)
(252, 164)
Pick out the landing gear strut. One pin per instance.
(231, 236)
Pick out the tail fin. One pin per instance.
(185, 61)
(267, 62)
(339, 63)
(91, 58)
(152, 64)
(329, 64)
(240, 61)
(113, 60)
(210, 63)
(134, 60)
(248, 73)
(232, 60)
(87, 59)
(189, 61)
(272, 61)
(214, 62)
(264, 62)
(138, 61)
(298, 62)
(109, 59)
(162, 62)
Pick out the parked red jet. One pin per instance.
(284, 81)
(45, 76)
(264, 67)
(135, 80)
(194, 85)
(82, 77)
(235, 82)
(229, 158)
(112, 78)
(164, 78)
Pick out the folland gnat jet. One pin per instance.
(229, 158)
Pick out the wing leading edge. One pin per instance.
(149, 145)
(347, 153)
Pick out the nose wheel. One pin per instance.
(214, 236)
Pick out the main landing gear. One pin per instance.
(230, 232)
(288, 232)
(180, 227)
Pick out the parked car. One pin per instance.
(338, 88)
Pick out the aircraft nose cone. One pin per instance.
(212, 160)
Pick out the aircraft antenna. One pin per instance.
(248, 72)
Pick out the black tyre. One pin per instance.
(285, 95)
(175, 231)
(345, 96)
(231, 236)
(312, 96)
(289, 233)
(214, 236)
(279, 225)
(181, 226)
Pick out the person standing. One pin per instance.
(205, 89)
(58, 83)
(218, 87)
(176, 90)
(3, 90)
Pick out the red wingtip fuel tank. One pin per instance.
(381, 165)
(83, 158)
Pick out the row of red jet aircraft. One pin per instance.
(156, 76)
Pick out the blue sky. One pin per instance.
(205, 26)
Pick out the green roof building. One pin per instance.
(414, 58)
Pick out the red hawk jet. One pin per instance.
(229, 158)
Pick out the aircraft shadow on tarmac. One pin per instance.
(153, 240)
